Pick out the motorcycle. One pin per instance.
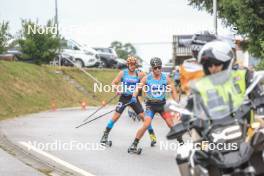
(224, 141)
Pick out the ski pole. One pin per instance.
(109, 101)
(99, 116)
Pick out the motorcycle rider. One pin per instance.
(215, 57)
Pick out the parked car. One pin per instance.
(8, 57)
(63, 60)
(167, 69)
(14, 51)
(108, 57)
(121, 63)
(84, 56)
(19, 56)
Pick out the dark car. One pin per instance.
(168, 70)
(19, 56)
(108, 57)
(8, 57)
(121, 63)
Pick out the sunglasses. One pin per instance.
(155, 68)
(215, 64)
(210, 63)
(131, 64)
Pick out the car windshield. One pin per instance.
(217, 96)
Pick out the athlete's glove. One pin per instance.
(133, 100)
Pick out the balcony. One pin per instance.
(183, 51)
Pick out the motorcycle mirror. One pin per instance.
(257, 77)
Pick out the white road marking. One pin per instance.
(57, 160)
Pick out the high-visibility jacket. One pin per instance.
(217, 97)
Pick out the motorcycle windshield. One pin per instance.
(217, 96)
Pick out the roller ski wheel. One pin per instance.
(180, 141)
(104, 140)
(153, 143)
(137, 151)
(134, 150)
(107, 143)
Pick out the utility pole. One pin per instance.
(215, 15)
(56, 17)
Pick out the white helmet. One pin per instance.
(215, 52)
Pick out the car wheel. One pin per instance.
(79, 63)
(114, 66)
(103, 64)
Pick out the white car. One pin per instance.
(84, 56)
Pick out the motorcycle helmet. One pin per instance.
(215, 52)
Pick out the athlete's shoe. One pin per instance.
(104, 138)
(180, 140)
(133, 147)
(153, 139)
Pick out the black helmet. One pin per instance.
(215, 52)
(155, 62)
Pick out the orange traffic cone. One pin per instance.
(83, 105)
(53, 105)
(103, 103)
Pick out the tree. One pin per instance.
(260, 66)
(5, 36)
(245, 15)
(123, 50)
(37, 42)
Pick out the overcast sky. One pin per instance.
(99, 22)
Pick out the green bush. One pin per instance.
(5, 36)
(39, 42)
(260, 66)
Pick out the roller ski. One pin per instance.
(104, 140)
(134, 150)
(180, 140)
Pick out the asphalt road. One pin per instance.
(11, 166)
(55, 129)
